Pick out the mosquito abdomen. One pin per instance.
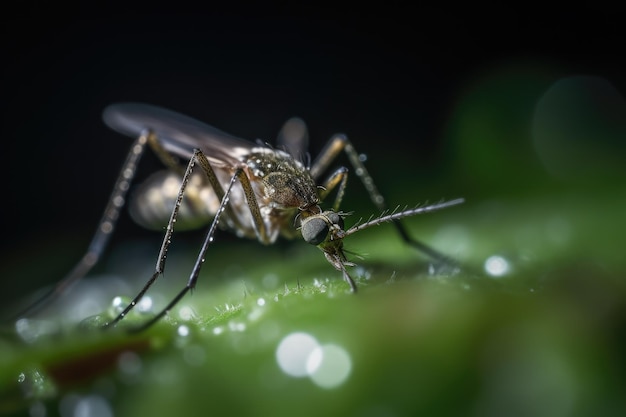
(152, 202)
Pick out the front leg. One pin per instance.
(333, 148)
(330, 152)
(339, 178)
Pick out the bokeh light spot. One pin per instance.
(293, 353)
(329, 366)
(497, 266)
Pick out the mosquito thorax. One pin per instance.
(320, 228)
(287, 181)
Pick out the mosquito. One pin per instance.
(253, 189)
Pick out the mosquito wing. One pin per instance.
(179, 134)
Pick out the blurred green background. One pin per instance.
(530, 134)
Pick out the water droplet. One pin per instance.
(183, 331)
(145, 304)
(118, 304)
(186, 313)
(93, 322)
(34, 384)
(236, 326)
(118, 201)
(106, 227)
(497, 266)
(256, 313)
(260, 302)
(320, 285)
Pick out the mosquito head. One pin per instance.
(322, 228)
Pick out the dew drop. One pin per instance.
(118, 304)
(118, 201)
(236, 326)
(145, 304)
(183, 331)
(497, 266)
(186, 313)
(106, 227)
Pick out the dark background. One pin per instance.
(388, 78)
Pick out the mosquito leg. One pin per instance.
(339, 178)
(340, 143)
(167, 239)
(348, 279)
(198, 156)
(103, 232)
(253, 205)
(221, 195)
(338, 260)
(193, 278)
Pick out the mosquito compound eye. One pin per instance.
(335, 218)
(315, 230)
